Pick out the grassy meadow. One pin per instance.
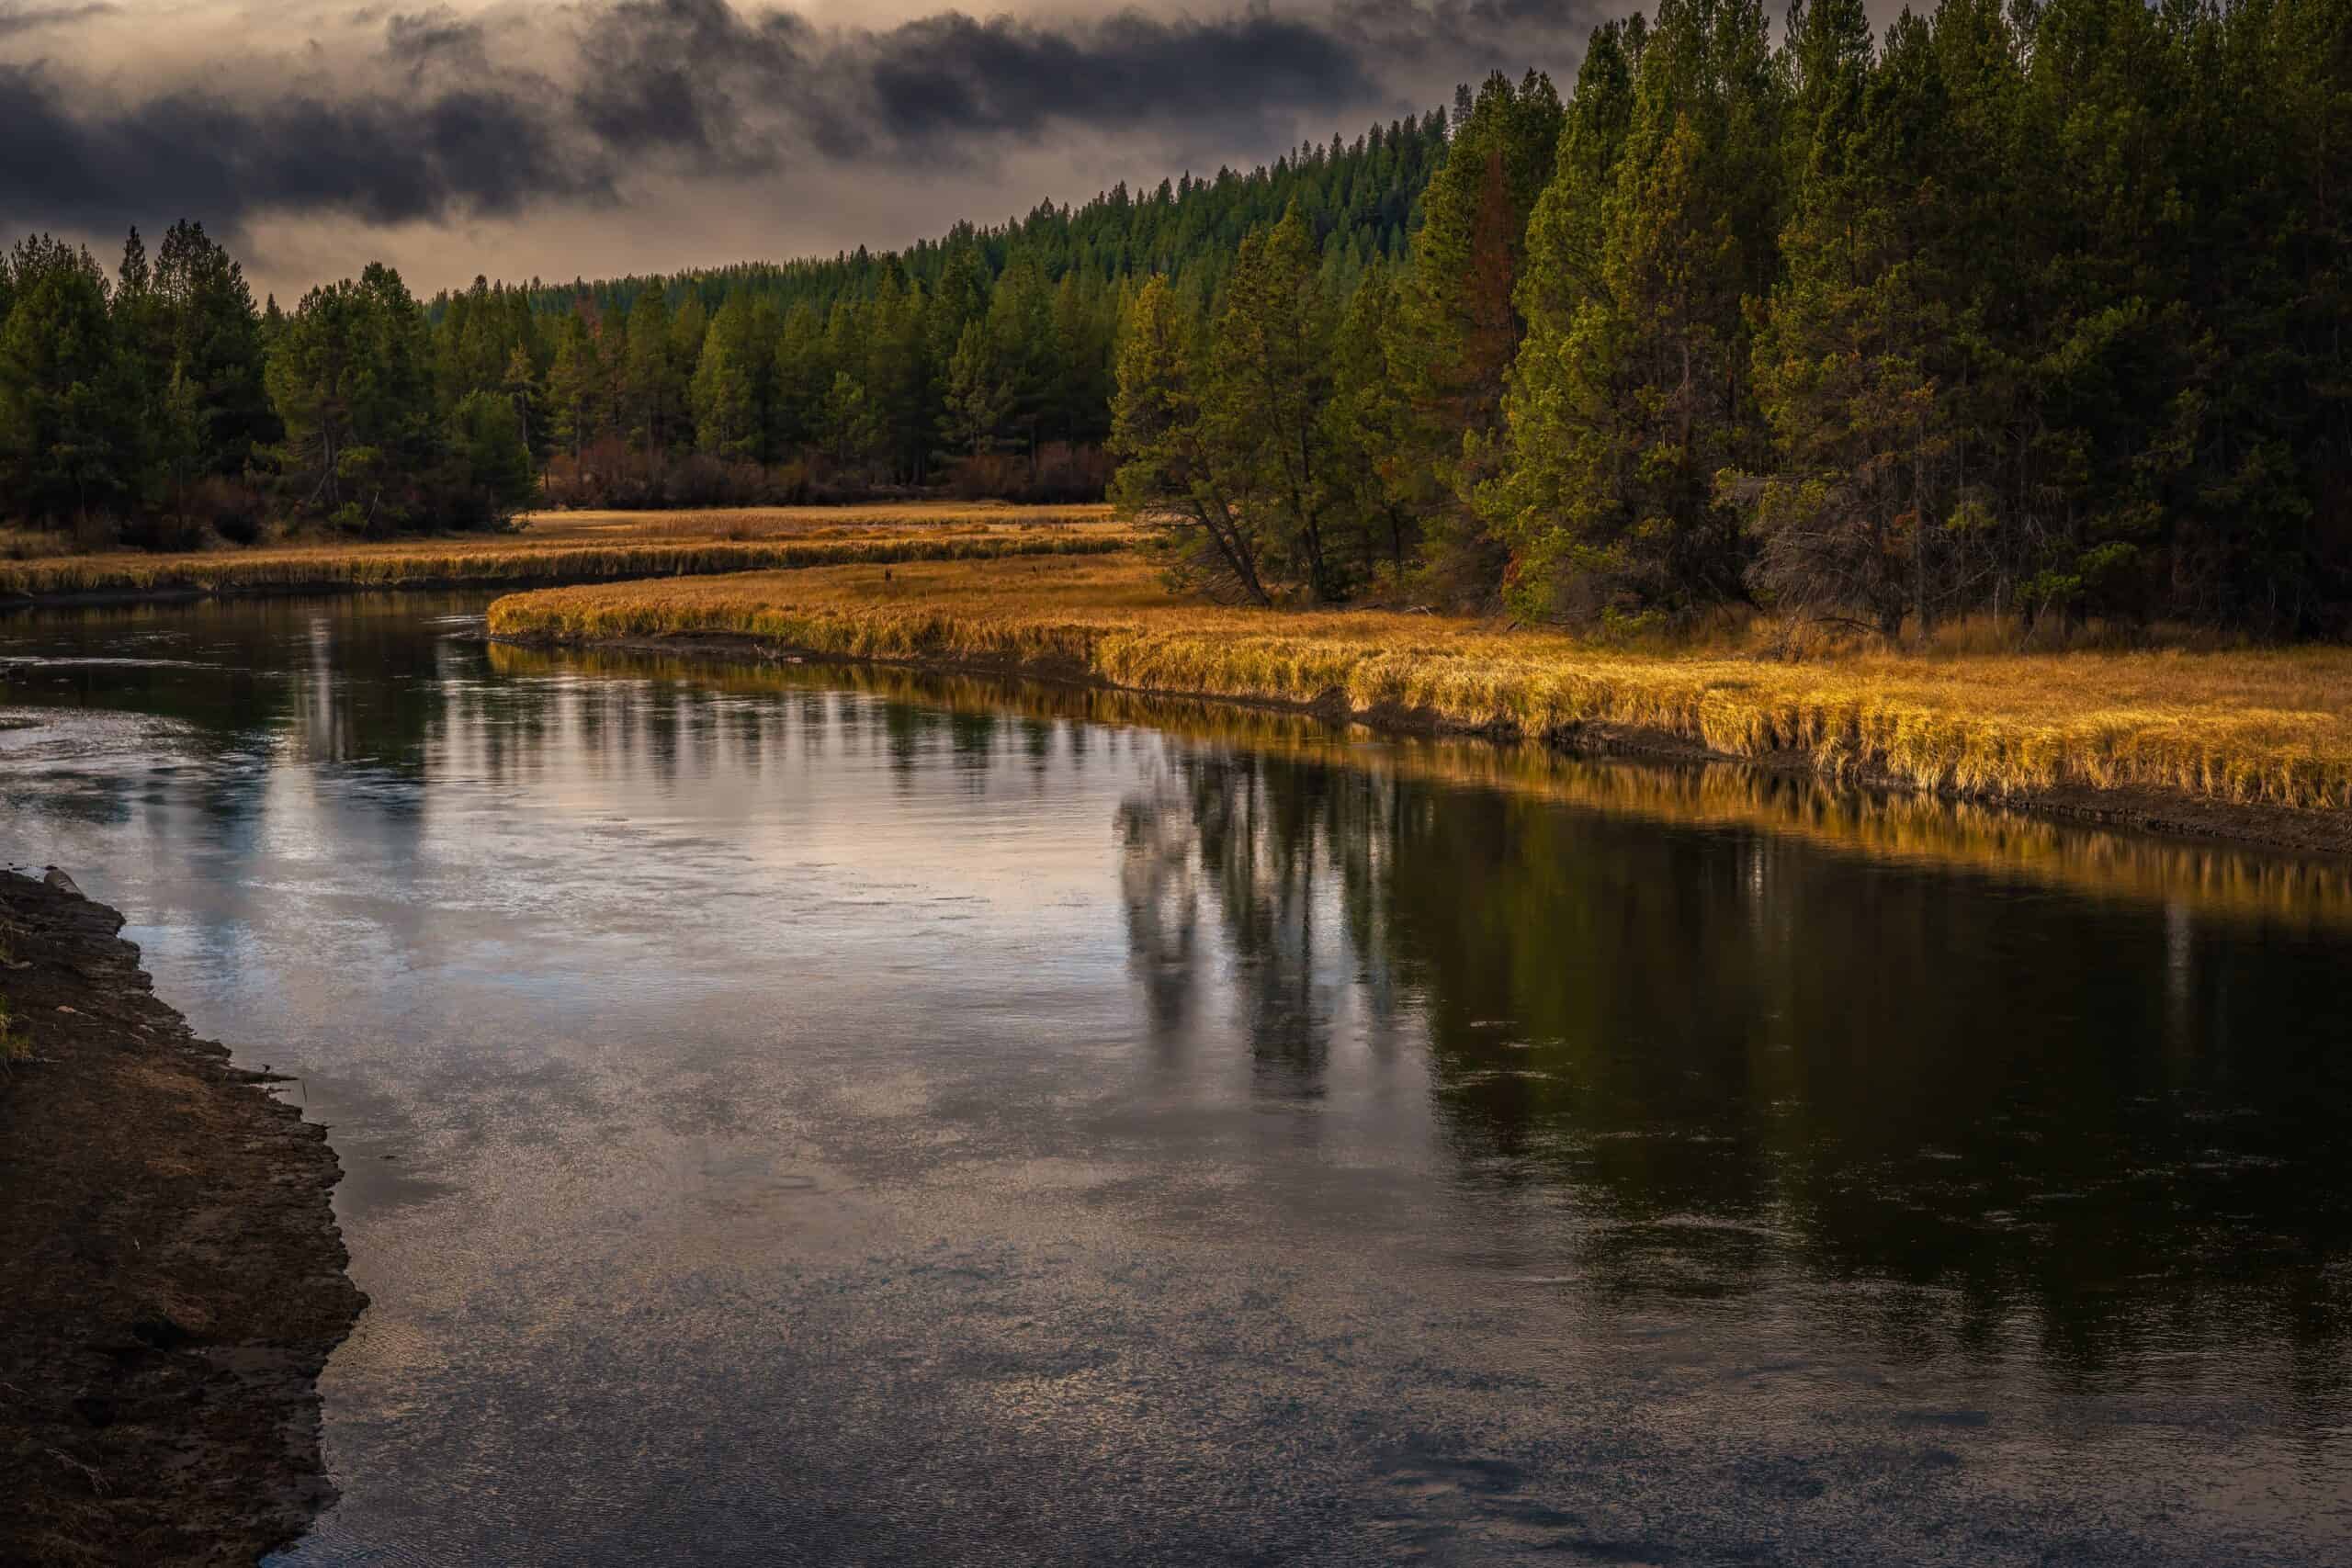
(587, 546)
(2250, 727)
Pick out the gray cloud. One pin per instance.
(948, 75)
(426, 41)
(383, 159)
(442, 117)
(24, 18)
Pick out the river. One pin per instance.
(805, 1115)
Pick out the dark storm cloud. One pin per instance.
(444, 116)
(950, 75)
(695, 77)
(379, 158)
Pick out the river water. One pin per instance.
(798, 1115)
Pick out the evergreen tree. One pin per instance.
(1611, 506)
(65, 404)
(725, 405)
(217, 348)
(491, 459)
(1171, 468)
(650, 383)
(1365, 426)
(576, 383)
(1857, 350)
(978, 398)
(1460, 326)
(1264, 405)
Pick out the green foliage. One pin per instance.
(1458, 325)
(493, 465)
(978, 397)
(1176, 467)
(1263, 407)
(724, 392)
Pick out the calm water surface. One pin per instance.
(798, 1116)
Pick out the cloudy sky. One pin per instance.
(589, 137)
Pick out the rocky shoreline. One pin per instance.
(175, 1276)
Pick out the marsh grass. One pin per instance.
(653, 545)
(2270, 727)
(2213, 880)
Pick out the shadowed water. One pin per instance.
(798, 1115)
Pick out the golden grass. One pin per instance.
(2268, 727)
(649, 544)
(807, 522)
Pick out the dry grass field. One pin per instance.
(809, 522)
(2269, 728)
(589, 544)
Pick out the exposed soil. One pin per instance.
(2169, 812)
(174, 1278)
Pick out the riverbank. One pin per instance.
(558, 548)
(2255, 746)
(176, 1277)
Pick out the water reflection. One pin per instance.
(1566, 1054)
(2041, 1125)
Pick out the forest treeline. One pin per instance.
(159, 405)
(2035, 306)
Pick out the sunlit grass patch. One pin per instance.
(648, 544)
(2271, 726)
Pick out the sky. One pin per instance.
(590, 138)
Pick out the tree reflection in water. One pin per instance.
(2015, 1115)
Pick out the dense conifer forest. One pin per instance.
(2039, 306)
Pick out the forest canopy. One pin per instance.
(2039, 308)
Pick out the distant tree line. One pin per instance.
(159, 406)
(2036, 306)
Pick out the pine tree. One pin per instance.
(1172, 470)
(649, 375)
(802, 375)
(725, 407)
(979, 402)
(1856, 349)
(1459, 327)
(1623, 419)
(1365, 425)
(521, 385)
(576, 382)
(64, 413)
(1262, 405)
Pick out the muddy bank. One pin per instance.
(2168, 812)
(175, 1276)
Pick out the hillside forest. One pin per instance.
(2040, 307)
